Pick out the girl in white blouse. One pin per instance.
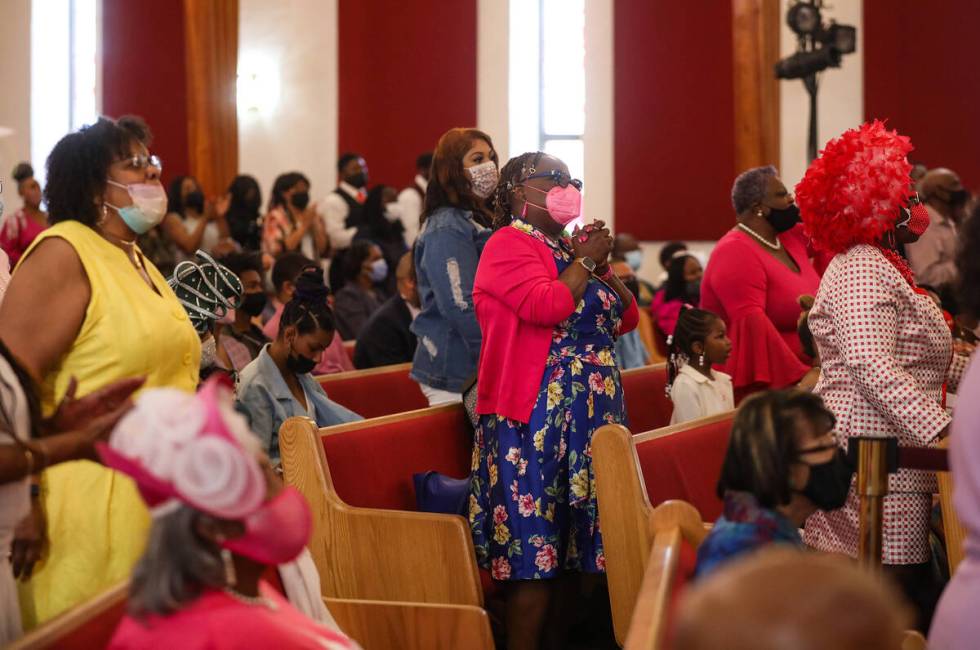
(699, 342)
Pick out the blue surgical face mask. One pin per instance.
(379, 270)
(148, 209)
(634, 259)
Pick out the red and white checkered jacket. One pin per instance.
(885, 353)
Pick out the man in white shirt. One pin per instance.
(342, 208)
(412, 199)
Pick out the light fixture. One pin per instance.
(258, 84)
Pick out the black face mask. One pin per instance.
(253, 303)
(195, 200)
(357, 180)
(299, 364)
(783, 219)
(829, 482)
(692, 292)
(300, 200)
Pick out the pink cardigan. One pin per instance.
(519, 301)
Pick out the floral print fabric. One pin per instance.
(532, 504)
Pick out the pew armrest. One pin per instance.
(88, 625)
(412, 626)
(374, 554)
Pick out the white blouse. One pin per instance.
(696, 396)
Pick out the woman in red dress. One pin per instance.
(754, 279)
(884, 346)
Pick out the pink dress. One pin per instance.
(335, 358)
(17, 234)
(665, 312)
(756, 295)
(217, 621)
(885, 352)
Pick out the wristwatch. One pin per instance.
(588, 263)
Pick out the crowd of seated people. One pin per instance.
(141, 324)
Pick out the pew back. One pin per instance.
(89, 625)
(647, 404)
(375, 392)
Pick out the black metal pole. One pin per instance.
(810, 82)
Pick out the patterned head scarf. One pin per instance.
(206, 289)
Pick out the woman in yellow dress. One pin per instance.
(86, 305)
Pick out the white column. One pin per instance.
(492, 91)
(15, 95)
(598, 139)
(287, 118)
(840, 99)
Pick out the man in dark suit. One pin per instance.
(386, 338)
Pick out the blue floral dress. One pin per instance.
(532, 505)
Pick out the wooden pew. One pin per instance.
(376, 391)
(89, 625)
(680, 462)
(404, 560)
(953, 529)
(375, 554)
(671, 525)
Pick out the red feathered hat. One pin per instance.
(852, 192)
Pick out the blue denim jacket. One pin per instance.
(446, 254)
(264, 398)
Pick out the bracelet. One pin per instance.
(608, 275)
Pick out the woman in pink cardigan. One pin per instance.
(550, 310)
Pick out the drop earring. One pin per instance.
(701, 360)
(105, 215)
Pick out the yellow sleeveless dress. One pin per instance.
(97, 522)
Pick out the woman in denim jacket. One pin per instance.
(454, 228)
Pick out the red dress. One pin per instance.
(216, 621)
(756, 295)
(17, 234)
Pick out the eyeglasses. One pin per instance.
(558, 178)
(140, 162)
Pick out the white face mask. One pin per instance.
(393, 212)
(483, 178)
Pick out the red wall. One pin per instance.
(921, 72)
(407, 74)
(674, 119)
(143, 72)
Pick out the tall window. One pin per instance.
(547, 79)
(64, 72)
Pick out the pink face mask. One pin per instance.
(277, 532)
(564, 204)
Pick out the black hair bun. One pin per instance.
(22, 172)
(310, 287)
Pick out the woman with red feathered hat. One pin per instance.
(885, 348)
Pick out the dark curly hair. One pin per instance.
(308, 310)
(79, 165)
(968, 265)
(449, 184)
(512, 174)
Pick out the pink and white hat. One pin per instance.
(189, 448)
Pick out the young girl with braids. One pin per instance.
(699, 342)
(278, 385)
(550, 309)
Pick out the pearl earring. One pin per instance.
(701, 361)
(229, 565)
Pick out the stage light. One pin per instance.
(803, 19)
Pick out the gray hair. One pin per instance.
(749, 187)
(176, 567)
